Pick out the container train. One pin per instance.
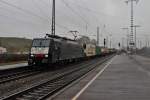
(55, 49)
(94, 51)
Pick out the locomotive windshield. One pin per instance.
(41, 43)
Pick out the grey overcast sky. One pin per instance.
(32, 18)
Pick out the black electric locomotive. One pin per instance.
(54, 49)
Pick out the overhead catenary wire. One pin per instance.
(69, 19)
(87, 10)
(68, 6)
(31, 13)
(83, 18)
(23, 10)
(38, 7)
(93, 14)
(16, 19)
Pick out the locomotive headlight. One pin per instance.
(32, 55)
(46, 56)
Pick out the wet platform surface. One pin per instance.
(126, 78)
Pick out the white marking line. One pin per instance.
(88, 84)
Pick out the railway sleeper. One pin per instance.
(32, 96)
(33, 93)
(26, 96)
(46, 89)
(38, 91)
(21, 98)
(36, 94)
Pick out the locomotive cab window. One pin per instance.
(41, 43)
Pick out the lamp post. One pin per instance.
(110, 35)
(136, 26)
(127, 29)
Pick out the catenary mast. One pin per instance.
(132, 43)
(53, 18)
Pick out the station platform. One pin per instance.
(123, 78)
(12, 66)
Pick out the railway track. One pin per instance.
(49, 87)
(17, 75)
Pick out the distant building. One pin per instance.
(3, 50)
